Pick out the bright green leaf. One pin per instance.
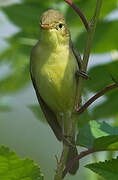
(90, 132)
(12, 167)
(108, 7)
(93, 131)
(107, 169)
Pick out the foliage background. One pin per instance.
(22, 125)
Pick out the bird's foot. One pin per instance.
(82, 74)
(67, 141)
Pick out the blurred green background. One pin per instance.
(22, 125)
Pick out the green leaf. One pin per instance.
(108, 108)
(38, 112)
(106, 143)
(19, 76)
(107, 169)
(107, 7)
(27, 14)
(101, 76)
(4, 108)
(84, 118)
(12, 167)
(113, 69)
(105, 40)
(24, 15)
(87, 8)
(92, 133)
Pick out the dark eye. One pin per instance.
(60, 25)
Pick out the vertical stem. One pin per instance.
(67, 125)
(91, 34)
(72, 124)
(60, 167)
(79, 13)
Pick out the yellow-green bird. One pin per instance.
(53, 66)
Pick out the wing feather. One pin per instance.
(49, 114)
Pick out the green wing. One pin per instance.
(76, 54)
(49, 114)
(80, 72)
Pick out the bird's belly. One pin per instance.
(57, 86)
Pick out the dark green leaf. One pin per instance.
(105, 40)
(107, 169)
(109, 107)
(84, 118)
(113, 70)
(101, 76)
(106, 143)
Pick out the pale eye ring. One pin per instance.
(60, 25)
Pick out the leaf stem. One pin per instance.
(96, 96)
(91, 30)
(79, 13)
(61, 164)
(92, 26)
(80, 156)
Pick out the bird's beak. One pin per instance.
(46, 26)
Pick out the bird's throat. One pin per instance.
(52, 38)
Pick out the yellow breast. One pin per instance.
(55, 77)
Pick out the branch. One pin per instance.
(91, 32)
(61, 163)
(80, 156)
(96, 96)
(79, 13)
(88, 45)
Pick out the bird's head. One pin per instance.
(54, 28)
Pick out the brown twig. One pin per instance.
(96, 96)
(79, 13)
(80, 156)
(70, 164)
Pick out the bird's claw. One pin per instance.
(82, 74)
(67, 141)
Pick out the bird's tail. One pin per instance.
(71, 155)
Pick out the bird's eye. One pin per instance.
(60, 25)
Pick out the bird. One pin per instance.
(54, 63)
